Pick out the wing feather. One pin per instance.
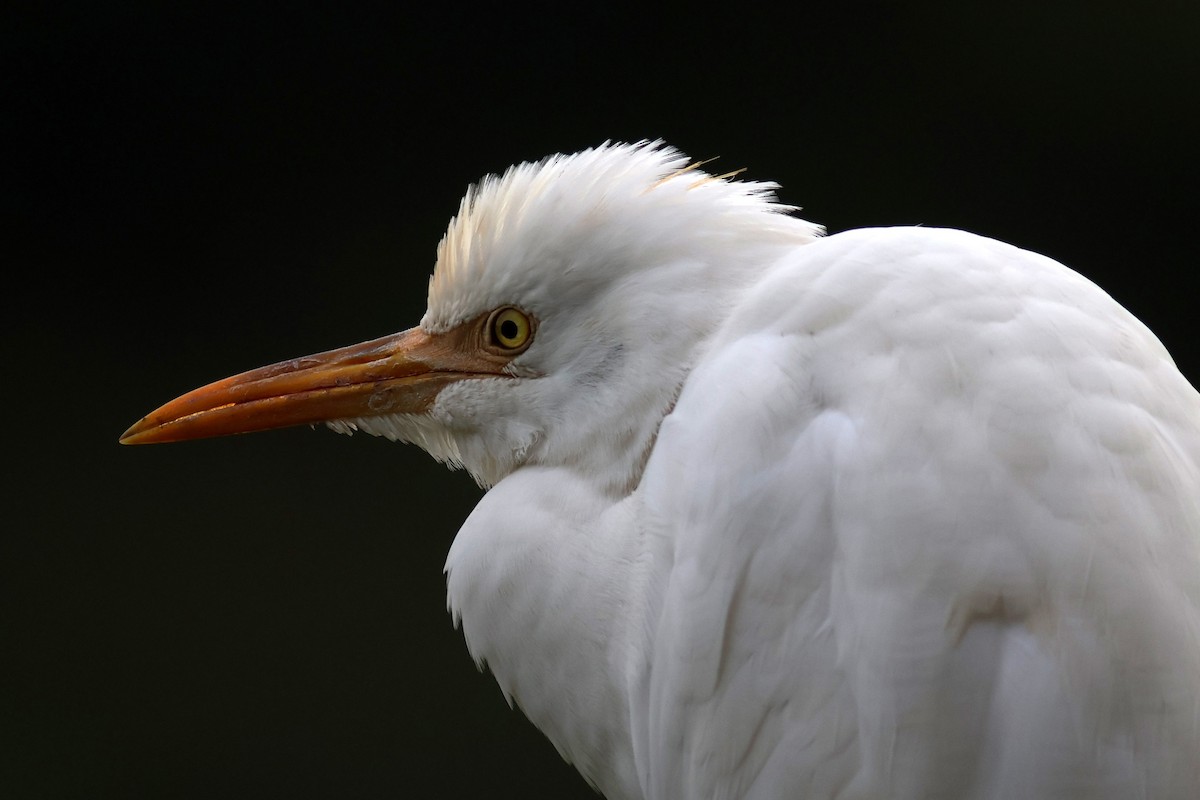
(931, 529)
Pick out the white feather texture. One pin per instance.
(591, 245)
(897, 513)
(579, 223)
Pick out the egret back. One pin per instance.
(931, 505)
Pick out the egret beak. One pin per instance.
(397, 374)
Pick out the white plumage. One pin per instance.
(896, 513)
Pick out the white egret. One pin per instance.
(894, 513)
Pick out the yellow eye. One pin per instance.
(510, 329)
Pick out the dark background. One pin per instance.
(189, 192)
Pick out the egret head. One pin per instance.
(569, 300)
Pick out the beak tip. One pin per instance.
(133, 434)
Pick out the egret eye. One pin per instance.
(509, 328)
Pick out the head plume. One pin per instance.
(547, 213)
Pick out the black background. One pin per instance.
(191, 191)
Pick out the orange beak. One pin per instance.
(397, 374)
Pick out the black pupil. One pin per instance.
(509, 329)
